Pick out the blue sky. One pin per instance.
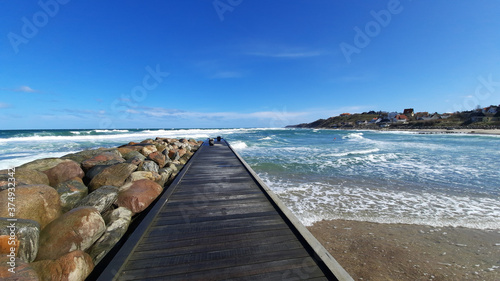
(241, 63)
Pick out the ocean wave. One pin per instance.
(239, 145)
(21, 159)
(354, 152)
(111, 131)
(317, 201)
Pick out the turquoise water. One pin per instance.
(390, 177)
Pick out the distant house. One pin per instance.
(375, 120)
(409, 112)
(446, 115)
(392, 115)
(490, 110)
(360, 122)
(345, 114)
(421, 114)
(401, 118)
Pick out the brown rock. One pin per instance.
(76, 265)
(182, 151)
(114, 175)
(22, 271)
(27, 235)
(77, 229)
(81, 156)
(141, 175)
(138, 195)
(158, 158)
(106, 158)
(33, 202)
(27, 176)
(42, 164)
(173, 154)
(128, 148)
(148, 149)
(64, 171)
(71, 192)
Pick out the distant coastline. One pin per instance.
(479, 121)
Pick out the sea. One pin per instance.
(374, 176)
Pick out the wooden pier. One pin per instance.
(219, 221)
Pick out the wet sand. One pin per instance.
(374, 251)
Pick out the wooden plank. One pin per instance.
(217, 223)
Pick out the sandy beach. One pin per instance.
(374, 251)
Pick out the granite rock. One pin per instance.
(70, 193)
(101, 199)
(33, 202)
(77, 229)
(27, 234)
(138, 195)
(114, 175)
(73, 266)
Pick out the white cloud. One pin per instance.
(25, 89)
(4, 105)
(273, 116)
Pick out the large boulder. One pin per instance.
(93, 172)
(105, 158)
(33, 202)
(70, 193)
(125, 149)
(27, 234)
(165, 174)
(81, 156)
(77, 229)
(135, 160)
(148, 149)
(158, 158)
(42, 164)
(134, 154)
(148, 165)
(173, 155)
(140, 175)
(138, 195)
(73, 266)
(22, 271)
(114, 175)
(117, 222)
(101, 199)
(63, 172)
(181, 152)
(25, 176)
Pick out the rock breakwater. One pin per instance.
(60, 216)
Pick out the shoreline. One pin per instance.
(377, 251)
(493, 132)
(452, 131)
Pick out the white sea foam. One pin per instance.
(266, 138)
(111, 131)
(317, 201)
(239, 145)
(22, 159)
(354, 152)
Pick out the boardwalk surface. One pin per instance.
(217, 223)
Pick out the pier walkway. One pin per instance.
(219, 221)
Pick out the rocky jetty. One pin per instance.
(70, 212)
